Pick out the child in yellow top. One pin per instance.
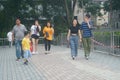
(48, 32)
(26, 47)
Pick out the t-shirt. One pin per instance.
(86, 30)
(9, 35)
(34, 30)
(26, 44)
(48, 32)
(19, 31)
(74, 30)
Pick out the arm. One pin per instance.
(13, 33)
(79, 33)
(44, 30)
(52, 30)
(68, 35)
(39, 28)
(89, 24)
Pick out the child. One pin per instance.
(26, 47)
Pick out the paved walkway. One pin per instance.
(59, 66)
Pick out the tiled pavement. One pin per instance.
(59, 66)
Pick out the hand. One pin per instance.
(80, 39)
(67, 39)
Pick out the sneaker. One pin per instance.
(33, 53)
(26, 62)
(46, 52)
(73, 57)
(86, 57)
(17, 59)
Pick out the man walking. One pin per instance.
(18, 34)
(86, 35)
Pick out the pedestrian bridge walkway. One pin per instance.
(59, 66)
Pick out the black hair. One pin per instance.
(77, 22)
(87, 15)
(50, 24)
(26, 33)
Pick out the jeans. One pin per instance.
(27, 54)
(19, 51)
(47, 44)
(87, 46)
(74, 45)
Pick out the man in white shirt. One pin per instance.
(9, 36)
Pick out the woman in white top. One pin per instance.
(9, 36)
(35, 29)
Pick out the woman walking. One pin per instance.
(35, 29)
(72, 37)
(48, 32)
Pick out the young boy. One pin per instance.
(26, 47)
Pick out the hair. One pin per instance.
(77, 22)
(50, 24)
(26, 33)
(87, 15)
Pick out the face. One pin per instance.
(28, 35)
(17, 22)
(86, 19)
(36, 23)
(48, 24)
(74, 22)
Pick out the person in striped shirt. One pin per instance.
(86, 28)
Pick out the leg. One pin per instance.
(76, 46)
(33, 41)
(17, 46)
(36, 44)
(22, 53)
(72, 45)
(49, 45)
(26, 52)
(9, 44)
(85, 46)
(46, 42)
(88, 45)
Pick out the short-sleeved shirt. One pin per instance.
(86, 30)
(26, 44)
(74, 30)
(19, 31)
(34, 30)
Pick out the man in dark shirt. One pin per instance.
(86, 35)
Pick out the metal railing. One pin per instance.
(3, 41)
(102, 41)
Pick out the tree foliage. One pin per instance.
(111, 5)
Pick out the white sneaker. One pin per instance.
(46, 52)
(33, 53)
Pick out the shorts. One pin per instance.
(34, 36)
(27, 54)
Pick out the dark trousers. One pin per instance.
(47, 44)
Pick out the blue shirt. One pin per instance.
(86, 30)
